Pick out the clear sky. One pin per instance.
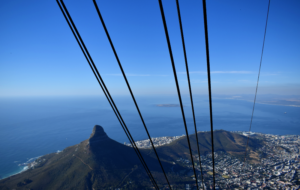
(40, 57)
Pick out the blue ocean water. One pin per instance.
(32, 127)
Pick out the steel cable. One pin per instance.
(209, 88)
(177, 85)
(129, 88)
(105, 90)
(262, 52)
(190, 88)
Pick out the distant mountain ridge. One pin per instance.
(102, 163)
(232, 143)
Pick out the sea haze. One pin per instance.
(32, 127)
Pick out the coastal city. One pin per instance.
(157, 141)
(278, 166)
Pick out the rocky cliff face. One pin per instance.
(98, 136)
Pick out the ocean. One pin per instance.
(34, 126)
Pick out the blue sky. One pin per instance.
(40, 57)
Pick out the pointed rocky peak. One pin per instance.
(98, 135)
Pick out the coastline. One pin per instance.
(30, 163)
(15, 173)
(144, 144)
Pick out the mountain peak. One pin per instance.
(98, 135)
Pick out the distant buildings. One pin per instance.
(279, 166)
(157, 141)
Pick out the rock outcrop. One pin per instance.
(98, 136)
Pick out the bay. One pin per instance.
(35, 126)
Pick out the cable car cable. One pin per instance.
(262, 52)
(176, 81)
(129, 88)
(105, 92)
(190, 88)
(209, 88)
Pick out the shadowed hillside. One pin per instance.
(224, 141)
(96, 163)
(102, 163)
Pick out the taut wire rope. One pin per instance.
(177, 85)
(261, 57)
(102, 85)
(190, 88)
(129, 88)
(209, 90)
